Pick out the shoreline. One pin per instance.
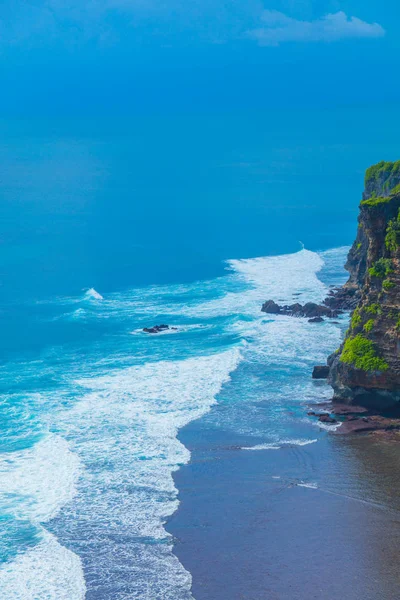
(248, 527)
(299, 518)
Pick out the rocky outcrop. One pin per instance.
(357, 419)
(271, 307)
(366, 368)
(344, 298)
(320, 372)
(309, 310)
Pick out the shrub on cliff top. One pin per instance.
(381, 268)
(383, 169)
(360, 352)
(383, 173)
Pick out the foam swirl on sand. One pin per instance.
(281, 444)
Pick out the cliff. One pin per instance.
(366, 368)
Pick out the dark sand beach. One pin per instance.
(248, 529)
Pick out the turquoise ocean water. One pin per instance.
(190, 222)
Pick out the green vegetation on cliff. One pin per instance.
(369, 325)
(392, 239)
(381, 268)
(367, 369)
(382, 170)
(361, 353)
(388, 285)
(382, 183)
(375, 200)
(355, 318)
(373, 309)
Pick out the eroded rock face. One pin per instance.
(366, 368)
(320, 372)
(344, 298)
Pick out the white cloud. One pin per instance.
(278, 28)
(76, 22)
(132, 22)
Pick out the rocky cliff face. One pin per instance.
(366, 368)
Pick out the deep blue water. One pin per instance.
(154, 199)
(111, 227)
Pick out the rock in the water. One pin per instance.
(293, 309)
(157, 328)
(320, 372)
(326, 419)
(310, 310)
(317, 310)
(271, 307)
(316, 320)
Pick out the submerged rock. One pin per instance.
(316, 320)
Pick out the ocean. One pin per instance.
(150, 222)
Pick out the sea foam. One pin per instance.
(41, 479)
(280, 444)
(46, 572)
(35, 484)
(111, 484)
(124, 429)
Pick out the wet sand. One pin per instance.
(248, 529)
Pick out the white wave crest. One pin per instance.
(92, 294)
(272, 277)
(43, 478)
